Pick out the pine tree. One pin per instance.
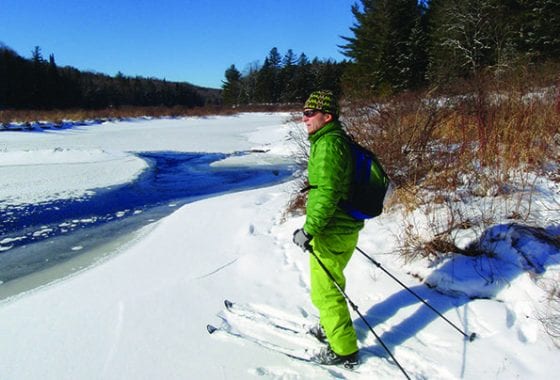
(265, 86)
(39, 92)
(302, 80)
(387, 50)
(232, 86)
(274, 58)
(287, 74)
(268, 83)
(53, 84)
(538, 32)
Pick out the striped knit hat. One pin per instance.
(323, 100)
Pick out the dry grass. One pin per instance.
(57, 116)
(442, 152)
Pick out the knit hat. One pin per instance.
(323, 100)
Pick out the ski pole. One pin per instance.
(469, 337)
(355, 308)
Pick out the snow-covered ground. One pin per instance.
(142, 312)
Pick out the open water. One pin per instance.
(37, 237)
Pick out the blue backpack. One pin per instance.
(369, 186)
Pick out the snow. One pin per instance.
(35, 176)
(141, 312)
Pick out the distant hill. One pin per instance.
(38, 83)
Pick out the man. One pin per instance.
(328, 231)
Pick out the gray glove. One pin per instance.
(302, 239)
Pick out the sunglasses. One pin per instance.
(310, 113)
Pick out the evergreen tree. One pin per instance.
(53, 84)
(232, 86)
(274, 58)
(538, 32)
(266, 83)
(287, 85)
(387, 50)
(303, 79)
(39, 91)
(268, 78)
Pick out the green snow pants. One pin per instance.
(334, 251)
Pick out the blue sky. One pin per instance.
(179, 40)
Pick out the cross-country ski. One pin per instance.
(261, 325)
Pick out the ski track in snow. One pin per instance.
(116, 337)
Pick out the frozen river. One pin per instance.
(70, 197)
(34, 237)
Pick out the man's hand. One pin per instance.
(302, 239)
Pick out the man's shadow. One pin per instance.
(413, 324)
(492, 272)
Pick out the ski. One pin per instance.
(271, 329)
(298, 355)
(256, 315)
(293, 354)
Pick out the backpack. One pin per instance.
(369, 185)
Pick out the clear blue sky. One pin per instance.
(179, 40)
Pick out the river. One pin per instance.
(55, 238)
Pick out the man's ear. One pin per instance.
(329, 117)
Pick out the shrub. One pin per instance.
(464, 161)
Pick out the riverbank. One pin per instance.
(62, 119)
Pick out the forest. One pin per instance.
(405, 45)
(40, 84)
(394, 46)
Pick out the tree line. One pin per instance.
(284, 78)
(400, 45)
(38, 83)
(393, 46)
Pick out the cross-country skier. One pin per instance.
(329, 231)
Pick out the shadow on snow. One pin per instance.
(511, 250)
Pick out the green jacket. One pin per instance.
(330, 174)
